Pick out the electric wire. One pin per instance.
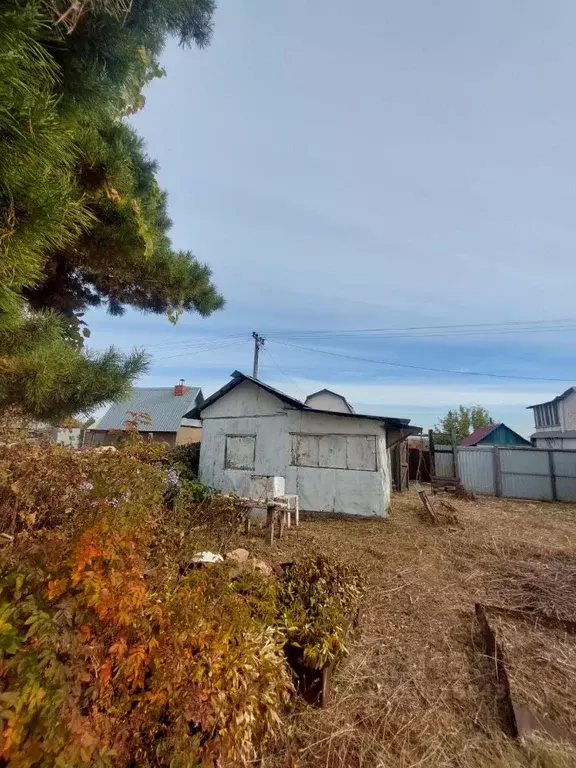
(207, 348)
(463, 326)
(289, 378)
(418, 367)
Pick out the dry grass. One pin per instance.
(541, 664)
(416, 689)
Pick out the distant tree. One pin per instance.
(460, 423)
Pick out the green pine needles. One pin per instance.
(83, 222)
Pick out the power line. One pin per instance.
(418, 367)
(208, 348)
(289, 378)
(462, 326)
(197, 342)
(428, 335)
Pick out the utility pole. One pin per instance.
(258, 343)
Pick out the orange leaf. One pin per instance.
(119, 647)
(56, 588)
(86, 631)
(105, 672)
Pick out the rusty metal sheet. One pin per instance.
(536, 617)
(522, 720)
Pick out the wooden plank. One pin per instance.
(271, 513)
(431, 452)
(428, 506)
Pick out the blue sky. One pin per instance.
(375, 165)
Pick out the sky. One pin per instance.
(380, 165)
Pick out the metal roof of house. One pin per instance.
(557, 399)
(479, 434)
(166, 410)
(238, 378)
(482, 432)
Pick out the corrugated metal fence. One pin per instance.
(519, 473)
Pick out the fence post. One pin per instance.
(431, 453)
(497, 471)
(552, 475)
(455, 462)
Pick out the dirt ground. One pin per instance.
(417, 688)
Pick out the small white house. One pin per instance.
(336, 461)
(555, 421)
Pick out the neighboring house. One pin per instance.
(334, 461)
(494, 434)
(326, 400)
(67, 436)
(165, 407)
(555, 421)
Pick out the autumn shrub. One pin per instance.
(181, 460)
(115, 648)
(110, 654)
(192, 526)
(43, 486)
(318, 598)
(187, 457)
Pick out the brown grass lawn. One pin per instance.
(417, 688)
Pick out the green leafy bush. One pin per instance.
(318, 598)
(186, 458)
(183, 459)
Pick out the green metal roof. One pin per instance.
(165, 409)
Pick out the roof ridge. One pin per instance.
(238, 377)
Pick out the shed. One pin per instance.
(494, 434)
(334, 461)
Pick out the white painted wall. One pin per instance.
(568, 413)
(250, 411)
(566, 443)
(328, 401)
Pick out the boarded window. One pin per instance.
(361, 452)
(332, 451)
(240, 451)
(335, 451)
(305, 450)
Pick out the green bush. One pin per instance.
(185, 457)
(318, 599)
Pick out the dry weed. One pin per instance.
(416, 690)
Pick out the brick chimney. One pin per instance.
(180, 389)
